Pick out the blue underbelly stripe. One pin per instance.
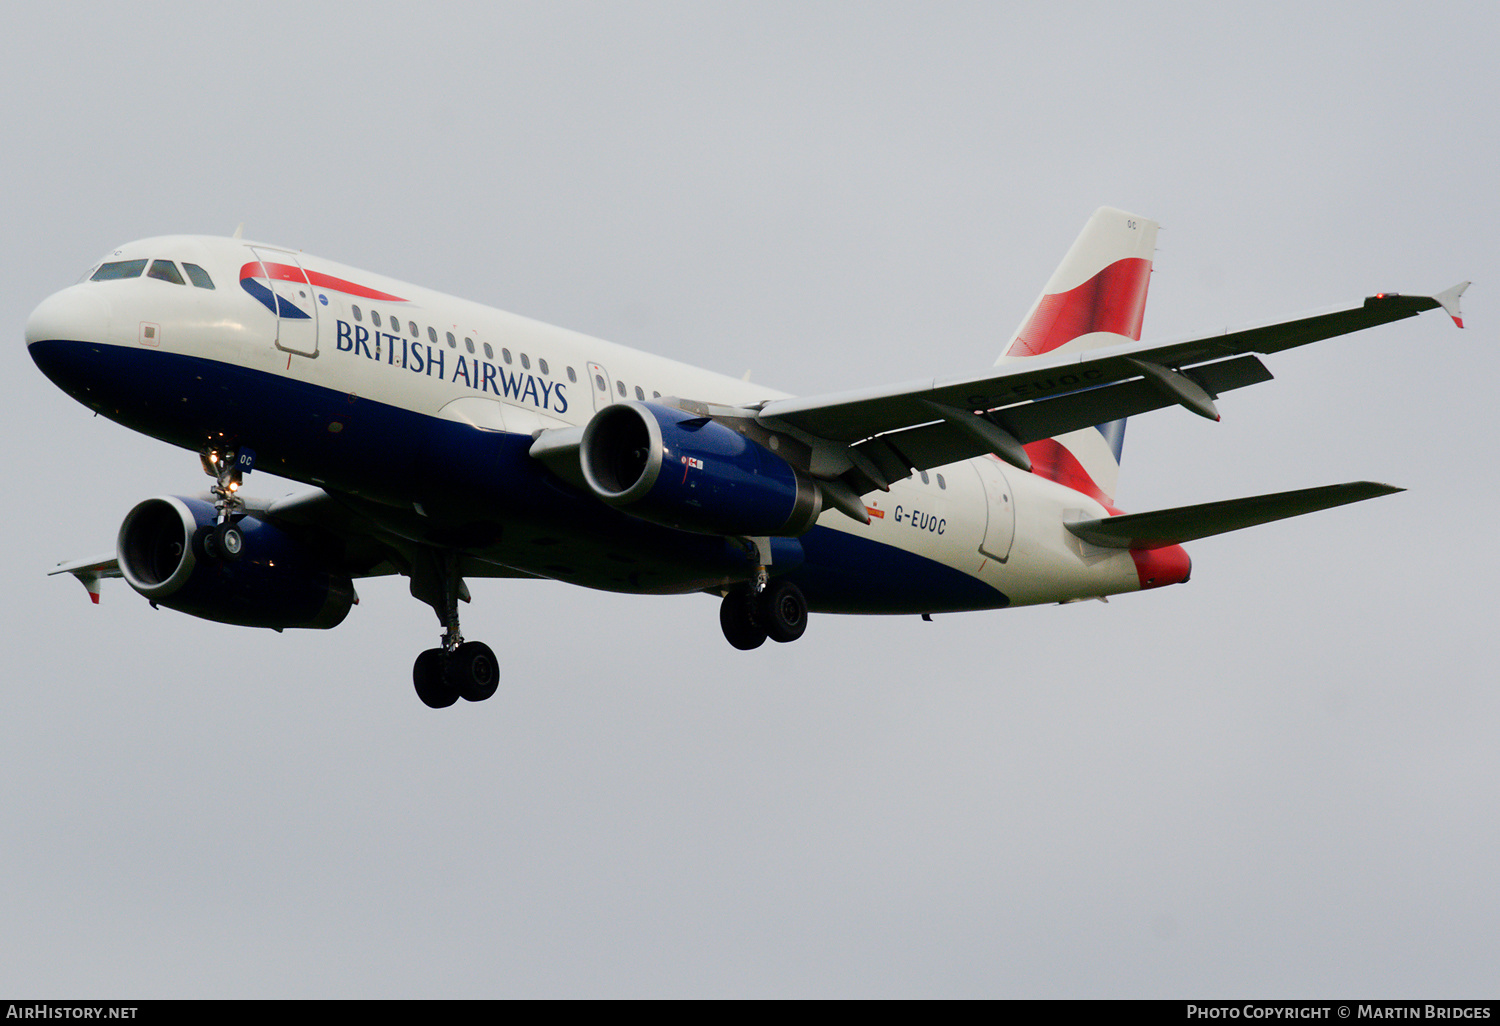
(476, 486)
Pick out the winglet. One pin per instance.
(91, 582)
(1449, 302)
(89, 572)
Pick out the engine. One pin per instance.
(671, 467)
(274, 582)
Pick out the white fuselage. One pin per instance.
(412, 349)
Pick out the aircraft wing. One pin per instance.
(350, 538)
(364, 539)
(889, 432)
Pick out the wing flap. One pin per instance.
(1161, 528)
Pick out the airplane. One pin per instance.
(444, 440)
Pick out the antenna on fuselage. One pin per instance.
(240, 231)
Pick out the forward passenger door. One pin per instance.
(282, 286)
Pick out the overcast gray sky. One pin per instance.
(1277, 780)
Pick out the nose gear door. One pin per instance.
(276, 278)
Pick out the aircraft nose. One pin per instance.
(72, 315)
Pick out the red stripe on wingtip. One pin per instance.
(1112, 300)
(1457, 320)
(94, 597)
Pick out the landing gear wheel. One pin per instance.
(473, 671)
(459, 668)
(227, 542)
(782, 611)
(737, 621)
(432, 686)
(223, 543)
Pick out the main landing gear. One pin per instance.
(459, 669)
(751, 613)
(443, 676)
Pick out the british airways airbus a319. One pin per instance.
(443, 440)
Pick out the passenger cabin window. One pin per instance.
(505, 355)
(357, 315)
(412, 326)
(941, 482)
(197, 275)
(621, 386)
(116, 269)
(375, 317)
(432, 335)
(525, 362)
(489, 353)
(639, 394)
(166, 271)
(452, 342)
(924, 477)
(571, 376)
(541, 365)
(469, 345)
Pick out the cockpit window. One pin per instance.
(119, 269)
(166, 271)
(198, 276)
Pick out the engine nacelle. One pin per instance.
(275, 582)
(693, 473)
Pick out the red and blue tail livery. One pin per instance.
(445, 440)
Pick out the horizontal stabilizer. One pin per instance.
(1174, 526)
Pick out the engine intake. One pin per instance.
(277, 582)
(671, 467)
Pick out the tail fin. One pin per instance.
(1095, 298)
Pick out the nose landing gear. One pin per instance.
(224, 541)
